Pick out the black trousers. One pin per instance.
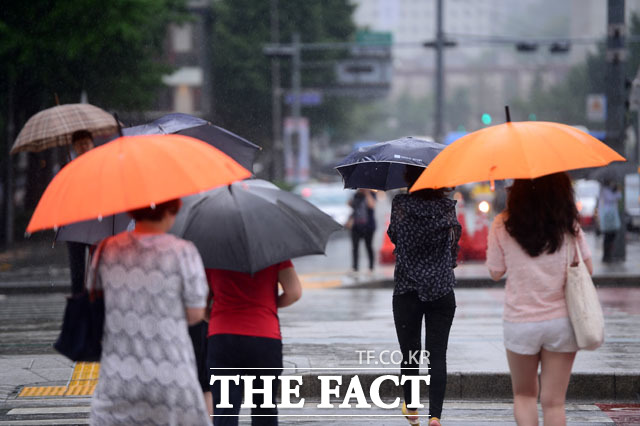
(366, 234)
(233, 354)
(607, 246)
(408, 313)
(77, 265)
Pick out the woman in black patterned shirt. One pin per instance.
(425, 231)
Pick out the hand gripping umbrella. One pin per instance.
(132, 172)
(236, 147)
(252, 224)
(382, 166)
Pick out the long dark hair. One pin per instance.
(411, 175)
(540, 212)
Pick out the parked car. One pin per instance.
(331, 198)
(587, 192)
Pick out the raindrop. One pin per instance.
(99, 218)
(153, 206)
(55, 228)
(27, 234)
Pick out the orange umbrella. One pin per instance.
(132, 172)
(515, 150)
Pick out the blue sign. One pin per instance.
(308, 98)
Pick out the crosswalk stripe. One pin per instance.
(48, 410)
(45, 422)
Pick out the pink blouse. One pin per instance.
(535, 285)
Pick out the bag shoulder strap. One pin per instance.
(92, 284)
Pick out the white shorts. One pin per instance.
(528, 338)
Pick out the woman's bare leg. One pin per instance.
(524, 381)
(554, 381)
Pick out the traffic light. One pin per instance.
(560, 47)
(525, 46)
(533, 117)
(486, 119)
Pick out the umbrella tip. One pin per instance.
(507, 113)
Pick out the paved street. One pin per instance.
(462, 413)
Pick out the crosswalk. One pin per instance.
(75, 411)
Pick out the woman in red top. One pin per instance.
(244, 333)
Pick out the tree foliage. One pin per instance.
(109, 49)
(242, 73)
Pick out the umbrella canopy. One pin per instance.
(54, 126)
(252, 224)
(132, 172)
(94, 230)
(236, 147)
(382, 166)
(515, 150)
(613, 172)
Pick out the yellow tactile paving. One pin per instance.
(42, 391)
(83, 382)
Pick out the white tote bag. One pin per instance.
(583, 305)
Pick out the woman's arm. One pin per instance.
(589, 264)
(291, 287)
(496, 275)
(371, 201)
(195, 315)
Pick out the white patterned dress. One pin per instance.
(148, 370)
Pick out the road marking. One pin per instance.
(83, 383)
(45, 422)
(48, 410)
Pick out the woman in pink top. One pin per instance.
(531, 242)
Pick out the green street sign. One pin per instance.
(375, 38)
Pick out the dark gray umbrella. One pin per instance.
(382, 166)
(94, 230)
(236, 147)
(613, 172)
(252, 224)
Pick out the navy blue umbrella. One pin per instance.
(382, 166)
(236, 147)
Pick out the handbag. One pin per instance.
(585, 312)
(80, 338)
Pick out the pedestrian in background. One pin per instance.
(82, 141)
(154, 287)
(425, 231)
(363, 224)
(244, 334)
(608, 217)
(531, 242)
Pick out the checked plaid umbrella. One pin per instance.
(54, 126)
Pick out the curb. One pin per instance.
(57, 286)
(463, 386)
(599, 281)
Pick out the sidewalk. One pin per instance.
(37, 267)
(341, 332)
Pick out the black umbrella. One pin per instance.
(613, 172)
(236, 147)
(382, 166)
(252, 224)
(94, 230)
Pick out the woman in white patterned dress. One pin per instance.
(154, 286)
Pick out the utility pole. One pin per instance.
(616, 55)
(8, 167)
(276, 172)
(439, 45)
